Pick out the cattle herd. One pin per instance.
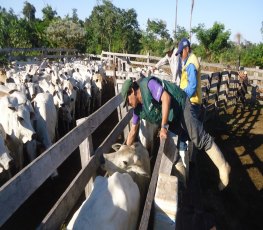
(40, 103)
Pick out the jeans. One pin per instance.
(196, 110)
(194, 127)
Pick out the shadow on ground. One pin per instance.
(240, 137)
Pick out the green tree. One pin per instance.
(112, 29)
(252, 55)
(19, 34)
(157, 28)
(29, 11)
(48, 13)
(127, 34)
(212, 41)
(75, 17)
(153, 39)
(181, 33)
(5, 23)
(64, 33)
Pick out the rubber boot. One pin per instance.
(185, 159)
(223, 167)
(180, 172)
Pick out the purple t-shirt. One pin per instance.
(156, 90)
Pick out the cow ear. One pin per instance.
(136, 159)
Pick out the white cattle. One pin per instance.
(147, 135)
(45, 118)
(96, 91)
(115, 201)
(2, 76)
(4, 91)
(15, 119)
(5, 157)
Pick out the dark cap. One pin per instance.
(125, 89)
(182, 44)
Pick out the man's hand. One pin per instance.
(163, 133)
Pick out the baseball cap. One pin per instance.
(182, 44)
(125, 89)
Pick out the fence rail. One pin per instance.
(39, 53)
(255, 75)
(216, 87)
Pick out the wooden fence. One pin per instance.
(216, 87)
(15, 192)
(15, 54)
(18, 189)
(125, 61)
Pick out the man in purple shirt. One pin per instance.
(164, 103)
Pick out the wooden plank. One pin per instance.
(121, 111)
(165, 202)
(131, 55)
(168, 156)
(8, 50)
(151, 191)
(86, 151)
(64, 205)
(14, 193)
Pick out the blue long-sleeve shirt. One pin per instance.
(192, 80)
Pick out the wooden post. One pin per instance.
(86, 151)
(121, 111)
(166, 194)
(119, 65)
(165, 202)
(170, 149)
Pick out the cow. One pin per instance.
(96, 91)
(15, 119)
(2, 76)
(5, 158)
(45, 118)
(115, 201)
(147, 135)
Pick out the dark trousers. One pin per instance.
(194, 127)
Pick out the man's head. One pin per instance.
(128, 92)
(169, 47)
(183, 48)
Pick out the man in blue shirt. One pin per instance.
(190, 82)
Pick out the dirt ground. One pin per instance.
(239, 134)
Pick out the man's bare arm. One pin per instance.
(132, 134)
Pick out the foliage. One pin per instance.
(102, 35)
(213, 41)
(157, 28)
(29, 11)
(154, 38)
(181, 33)
(48, 13)
(5, 23)
(113, 29)
(253, 56)
(65, 34)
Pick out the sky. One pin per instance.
(238, 16)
